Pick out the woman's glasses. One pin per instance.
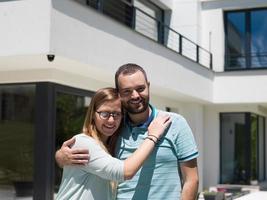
(106, 115)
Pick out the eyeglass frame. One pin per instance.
(109, 115)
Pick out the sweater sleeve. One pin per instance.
(100, 163)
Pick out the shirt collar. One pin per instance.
(147, 122)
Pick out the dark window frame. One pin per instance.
(247, 56)
(45, 170)
(44, 134)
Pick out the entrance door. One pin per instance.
(242, 148)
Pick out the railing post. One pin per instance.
(133, 17)
(197, 59)
(211, 61)
(180, 44)
(160, 33)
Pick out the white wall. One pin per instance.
(194, 114)
(213, 36)
(240, 87)
(24, 27)
(185, 18)
(82, 34)
(89, 46)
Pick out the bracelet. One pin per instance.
(154, 136)
(151, 140)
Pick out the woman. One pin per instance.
(101, 128)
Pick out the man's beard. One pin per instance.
(132, 110)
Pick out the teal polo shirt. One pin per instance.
(158, 178)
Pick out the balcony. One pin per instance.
(152, 28)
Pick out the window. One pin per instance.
(17, 113)
(121, 11)
(70, 115)
(34, 120)
(148, 20)
(245, 39)
(242, 148)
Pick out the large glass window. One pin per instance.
(121, 11)
(17, 112)
(33, 118)
(242, 148)
(245, 41)
(70, 115)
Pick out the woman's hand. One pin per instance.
(158, 126)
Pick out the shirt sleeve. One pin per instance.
(101, 163)
(185, 144)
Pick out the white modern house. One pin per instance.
(205, 59)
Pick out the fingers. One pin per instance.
(163, 118)
(80, 151)
(159, 125)
(69, 142)
(80, 161)
(79, 156)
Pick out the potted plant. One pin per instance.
(213, 195)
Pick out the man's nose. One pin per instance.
(135, 94)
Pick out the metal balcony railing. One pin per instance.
(152, 28)
(246, 61)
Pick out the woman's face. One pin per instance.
(108, 118)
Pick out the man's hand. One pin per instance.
(67, 156)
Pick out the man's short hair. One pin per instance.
(128, 69)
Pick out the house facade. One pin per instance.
(205, 59)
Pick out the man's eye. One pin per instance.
(126, 92)
(141, 89)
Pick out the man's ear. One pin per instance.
(148, 84)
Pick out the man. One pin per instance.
(159, 177)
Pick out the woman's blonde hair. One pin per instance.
(101, 96)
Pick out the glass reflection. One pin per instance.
(246, 42)
(70, 114)
(236, 40)
(242, 148)
(16, 141)
(233, 149)
(258, 38)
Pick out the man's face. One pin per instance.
(134, 92)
